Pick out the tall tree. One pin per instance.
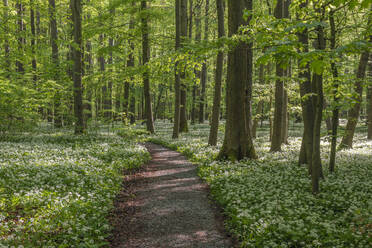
(6, 64)
(177, 92)
(21, 36)
(218, 77)
(145, 61)
(183, 34)
(55, 61)
(369, 100)
(76, 11)
(238, 141)
(33, 40)
(354, 112)
(276, 140)
(204, 75)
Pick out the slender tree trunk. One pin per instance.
(197, 72)
(285, 124)
(108, 98)
(238, 141)
(176, 126)
(279, 93)
(101, 61)
(132, 105)
(369, 101)
(89, 70)
(204, 76)
(219, 70)
(33, 40)
(55, 61)
(6, 40)
(76, 10)
(318, 102)
(21, 39)
(354, 112)
(335, 111)
(146, 73)
(260, 104)
(183, 30)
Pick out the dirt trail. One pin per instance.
(166, 205)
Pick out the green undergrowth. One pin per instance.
(268, 201)
(56, 189)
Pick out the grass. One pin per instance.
(56, 189)
(268, 201)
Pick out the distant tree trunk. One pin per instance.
(158, 102)
(369, 101)
(260, 104)
(204, 76)
(132, 105)
(108, 98)
(78, 91)
(21, 38)
(146, 73)
(89, 70)
(316, 166)
(285, 118)
(238, 141)
(6, 64)
(33, 41)
(354, 112)
(219, 70)
(183, 30)
(127, 88)
(176, 126)
(55, 60)
(335, 111)
(197, 72)
(101, 61)
(276, 140)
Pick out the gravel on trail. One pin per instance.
(167, 205)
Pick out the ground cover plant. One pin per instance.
(268, 201)
(57, 189)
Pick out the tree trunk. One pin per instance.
(21, 39)
(76, 10)
(369, 101)
(101, 61)
(276, 140)
(55, 61)
(335, 111)
(204, 76)
(219, 70)
(176, 126)
(183, 89)
(238, 141)
(6, 64)
(33, 41)
(127, 87)
(285, 118)
(354, 112)
(260, 104)
(146, 73)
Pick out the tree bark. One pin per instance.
(33, 41)
(238, 141)
(76, 10)
(369, 101)
(335, 111)
(146, 73)
(218, 80)
(204, 76)
(21, 39)
(55, 61)
(183, 89)
(6, 40)
(276, 140)
(177, 98)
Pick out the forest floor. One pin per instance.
(166, 204)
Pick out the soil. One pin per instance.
(167, 205)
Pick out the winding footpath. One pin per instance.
(166, 205)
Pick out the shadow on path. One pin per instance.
(166, 205)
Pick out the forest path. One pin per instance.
(166, 205)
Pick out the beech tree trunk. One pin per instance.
(6, 40)
(21, 38)
(183, 89)
(77, 71)
(55, 61)
(102, 66)
(177, 98)
(369, 101)
(146, 73)
(238, 141)
(335, 111)
(204, 76)
(276, 140)
(33, 40)
(218, 80)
